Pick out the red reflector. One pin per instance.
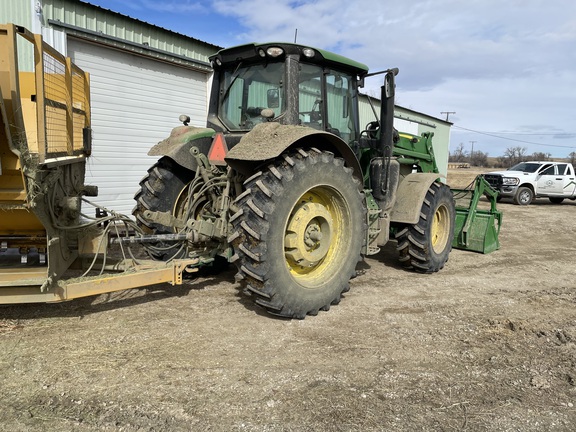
(218, 150)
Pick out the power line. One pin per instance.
(513, 139)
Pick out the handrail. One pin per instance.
(60, 91)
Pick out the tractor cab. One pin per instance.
(285, 83)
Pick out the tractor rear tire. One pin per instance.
(426, 245)
(299, 232)
(159, 192)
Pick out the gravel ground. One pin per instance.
(487, 344)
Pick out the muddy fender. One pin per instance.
(410, 195)
(177, 145)
(267, 141)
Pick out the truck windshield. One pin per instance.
(247, 90)
(526, 167)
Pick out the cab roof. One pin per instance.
(257, 51)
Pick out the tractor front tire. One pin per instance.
(425, 246)
(299, 232)
(160, 191)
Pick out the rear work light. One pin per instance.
(308, 52)
(274, 51)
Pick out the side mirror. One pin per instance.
(273, 98)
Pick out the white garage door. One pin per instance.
(136, 102)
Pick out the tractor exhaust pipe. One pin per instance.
(387, 113)
(384, 171)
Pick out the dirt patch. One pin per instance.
(463, 177)
(487, 344)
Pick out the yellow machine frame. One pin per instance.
(45, 139)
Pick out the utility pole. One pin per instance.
(447, 114)
(471, 151)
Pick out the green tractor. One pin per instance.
(285, 183)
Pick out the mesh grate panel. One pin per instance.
(56, 96)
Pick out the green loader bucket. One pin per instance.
(476, 229)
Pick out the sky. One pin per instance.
(505, 70)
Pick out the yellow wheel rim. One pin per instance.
(440, 229)
(314, 236)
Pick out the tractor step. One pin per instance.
(374, 228)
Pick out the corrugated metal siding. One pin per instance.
(115, 25)
(17, 12)
(55, 38)
(135, 103)
(367, 115)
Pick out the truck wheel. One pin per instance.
(426, 245)
(298, 233)
(524, 196)
(556, 200)
(160, 190)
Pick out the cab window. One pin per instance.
(339, 89)
(337, 106)
(247, 90)
(562, 169)
(547, 170)
(310, 96)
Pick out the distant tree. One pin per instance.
(479, 158)
(572, 158)
(512, 156)
(540, 156)
(459, 155)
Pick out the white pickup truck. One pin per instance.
(528, 180)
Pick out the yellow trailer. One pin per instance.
(45, 140)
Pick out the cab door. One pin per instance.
(549, 181)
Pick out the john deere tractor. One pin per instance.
(285, 183)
